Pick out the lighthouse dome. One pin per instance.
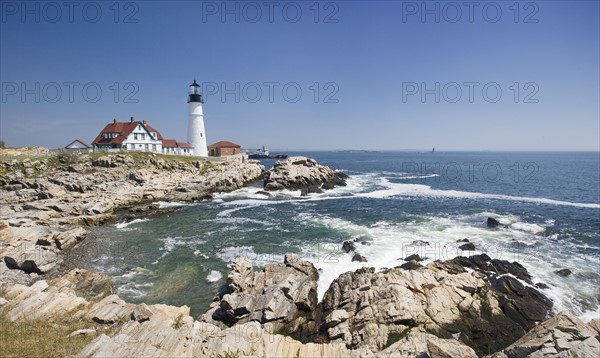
(195, 93)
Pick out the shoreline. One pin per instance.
(285, 304)
(48, 204)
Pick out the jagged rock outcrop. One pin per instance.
(563, 335)
(45, 203)
(282, 297)
(62, 296)
(387, 314)
(304, 174)
(489, 310)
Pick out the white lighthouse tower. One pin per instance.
(196, 134)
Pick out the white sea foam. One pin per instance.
(532, 228)
(390, 243)
(520, 240)
(171, 204)
(399, 189)
(125, 224)
(214, 276)
(170, 243)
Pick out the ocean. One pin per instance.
(398, 203)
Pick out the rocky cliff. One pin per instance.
(439, 310)
(464, 307)
(45, 204)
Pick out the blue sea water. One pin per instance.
(548, 202)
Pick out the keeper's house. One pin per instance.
(223, 149)
(137, 136)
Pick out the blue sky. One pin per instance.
(369, 72)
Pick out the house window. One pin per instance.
(135, 136)
(132, 146)
(146, 147)
(154, 147)
(143, 136)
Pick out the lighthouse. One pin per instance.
(196, 134)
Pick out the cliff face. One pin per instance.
(45, 204)
(432, 311)
(464, 307)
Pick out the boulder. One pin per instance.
(141, 313)
(491, 222)
(467, 247)
(488, 309)
(563, 272)
(348, 246)
(410, 265)
(304, 174)
(563, 335)
(414, 257)
(282, 297)
(105, 161)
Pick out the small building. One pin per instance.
(223, 149)
(171, 146)
(136, 136)
(78, 146)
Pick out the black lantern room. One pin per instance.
(195, 95)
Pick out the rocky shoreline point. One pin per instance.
(304, 174)
(46, 204)
(464, 307)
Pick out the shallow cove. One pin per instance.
(549, 217)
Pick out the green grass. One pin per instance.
(41, 338)
(54, 161)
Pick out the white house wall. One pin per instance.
(140, 144)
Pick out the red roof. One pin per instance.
(123, 129)
(224, 144)
(150, 129)
(169, 143)
(184, 145)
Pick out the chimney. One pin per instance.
(144, 121)
(114, 120)
(132, 119)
